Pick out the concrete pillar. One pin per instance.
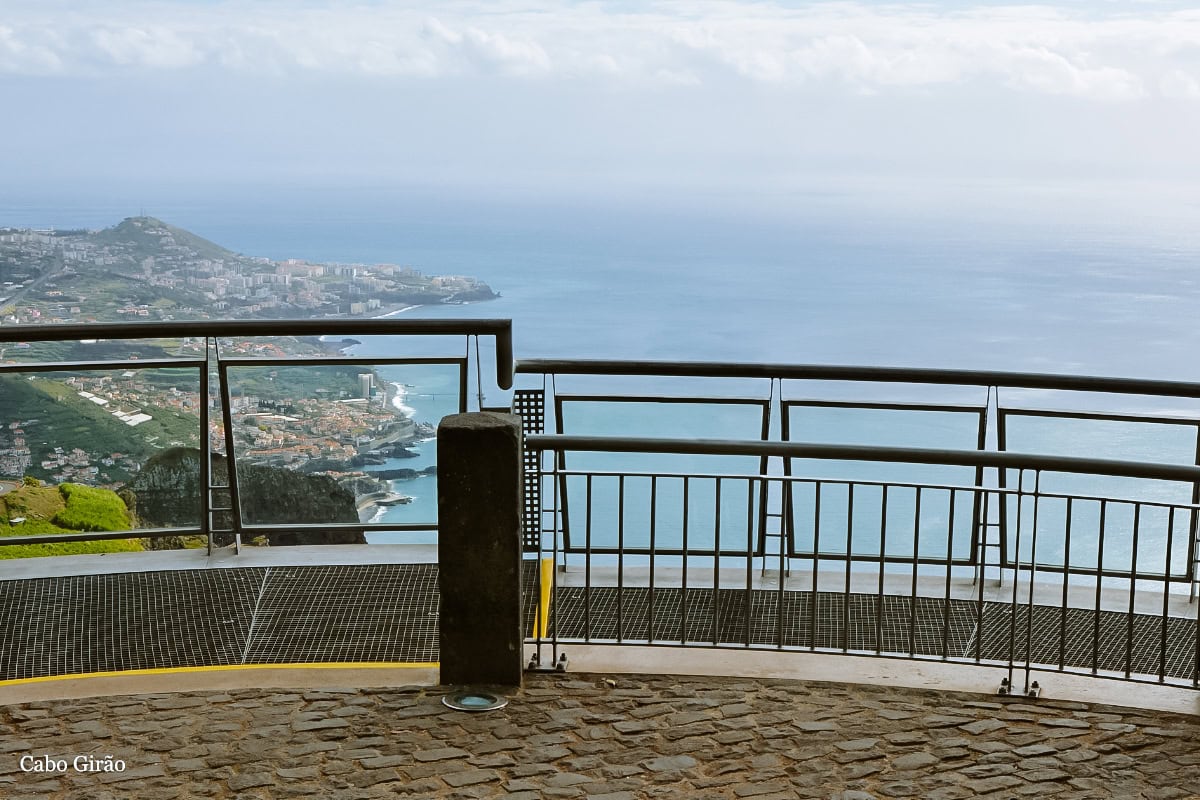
(479, 549)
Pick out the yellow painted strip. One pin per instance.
(543, 617)
(226, 668)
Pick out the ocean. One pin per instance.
(823, 284)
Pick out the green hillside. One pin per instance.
(147, 233)
(34, 510)
(54, 415)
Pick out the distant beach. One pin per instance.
(397, 397)
(394, 312)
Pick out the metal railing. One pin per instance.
(672, 559)
(887, 566)
(799, 403)
(213, 368)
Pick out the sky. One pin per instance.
(758, 105)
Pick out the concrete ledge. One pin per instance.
(618, 660)
(204, 679)
(166, 560)
(936, 676)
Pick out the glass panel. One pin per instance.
(88, 451)
(359, 434)
(425, 393)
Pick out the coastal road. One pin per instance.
(7, 486)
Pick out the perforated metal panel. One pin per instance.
(217, 617)
(530, 406)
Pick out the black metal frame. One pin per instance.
(1003, 413)
(973, 558)
(560, 402)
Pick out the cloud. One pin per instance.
(1111, 54)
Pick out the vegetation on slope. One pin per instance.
(90, 509)
(55, 414)
(62, 509)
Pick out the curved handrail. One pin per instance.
(907, 455)
(838, 372)
(500, 328)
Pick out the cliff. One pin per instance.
(166, 492)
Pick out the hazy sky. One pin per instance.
(754, 102)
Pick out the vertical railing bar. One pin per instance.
(949, 577)
(587, 566)
(815, 605)
(912, 600)
(558, 528)
(883, 503)
(478, 373)
(1002, 481)
(716, 595)
(987, 510)
(750, 555)
(230, 455)
(537, 607)
(1062, 618)
(1193, 531)
(683, 597)
(620, 556)
(1196, 626)
(1166, 593)
(1129, 617)
(1037, 480)
(849, 563)
(653, 546)
(1016, 562)
(206, 490)
(1099, 589)
(464, 380)
(780, 596)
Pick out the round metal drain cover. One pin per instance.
(474, 700)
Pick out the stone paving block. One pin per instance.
(668, 763)
(760, 788)
(856, 744)
(318, 725)
(1064, 722)
(914, 761)
(983, 726)
(136, 774)
(862, 770)
(440, 754)
(470, 777)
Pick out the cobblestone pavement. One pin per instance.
(580, 736)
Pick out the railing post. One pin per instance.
(479, 548)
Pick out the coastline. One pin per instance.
(372, 507)
(395, 312)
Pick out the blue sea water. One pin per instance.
(820, 286)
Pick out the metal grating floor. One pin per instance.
(98, 623)
(128, 621)
(636, 614)
(959, 630)
(1118, 642)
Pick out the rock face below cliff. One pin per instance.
(166, 492)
